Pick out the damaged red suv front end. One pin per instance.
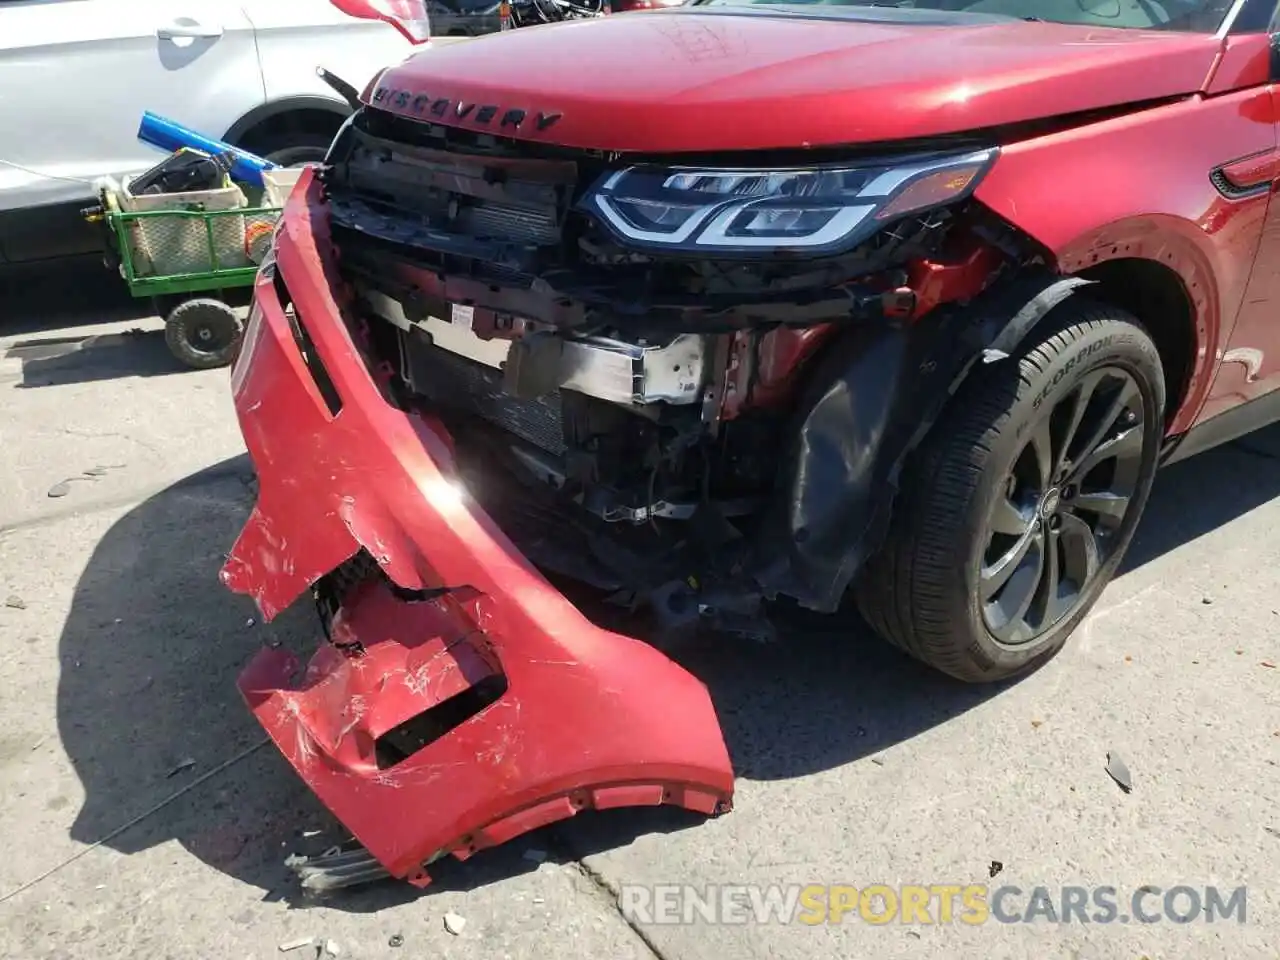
(708, 313)
(461, 700)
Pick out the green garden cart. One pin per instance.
(191, 253)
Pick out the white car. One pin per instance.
(77, 75)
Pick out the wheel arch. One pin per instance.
(1184, 288)
(1157, 296)
(1139, 185)
(288, 114)
(1152, 290)
(1158, 269)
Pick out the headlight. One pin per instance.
(822, 210)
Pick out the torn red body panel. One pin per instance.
(585, 718)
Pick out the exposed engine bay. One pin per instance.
(636, 418)
(532, 13)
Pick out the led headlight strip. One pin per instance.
(819, 209)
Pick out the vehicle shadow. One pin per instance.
(156, 643)
(37, 299)
(55, 361)
(1205, 492)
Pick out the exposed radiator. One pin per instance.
(454, 382)
(496, 221)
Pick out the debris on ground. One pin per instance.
(535, 856)
(1268, 664)
(454, 923)
(250, 622)
(878, 761)
(308, 834)
(15, 602)
(995, 867)
(186, 764)
(298, 944)
(396, 940)
(335, 869)
(332, 948)
(1206, 600)
(1119, 772)
(1036, 724)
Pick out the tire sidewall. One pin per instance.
(1118, 343)
(302, 148)
(296, 156)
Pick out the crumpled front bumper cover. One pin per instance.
(585, 718)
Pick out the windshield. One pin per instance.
(1196, 16)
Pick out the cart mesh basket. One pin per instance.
(178, 238)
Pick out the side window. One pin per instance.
(1253, 16)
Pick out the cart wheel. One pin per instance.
(203, 333)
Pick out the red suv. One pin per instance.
(716, 311)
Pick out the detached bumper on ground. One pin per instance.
(583, 717)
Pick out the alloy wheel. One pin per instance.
(1062, 507)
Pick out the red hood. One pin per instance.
(674, 81)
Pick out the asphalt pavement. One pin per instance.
(143, 818)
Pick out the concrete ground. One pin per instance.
(140, 819)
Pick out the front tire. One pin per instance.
(1017, 509)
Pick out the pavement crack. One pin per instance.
(176, 795)
(604, 886)
(606, 889)
(90, 435)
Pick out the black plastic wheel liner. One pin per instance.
(872, 398)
